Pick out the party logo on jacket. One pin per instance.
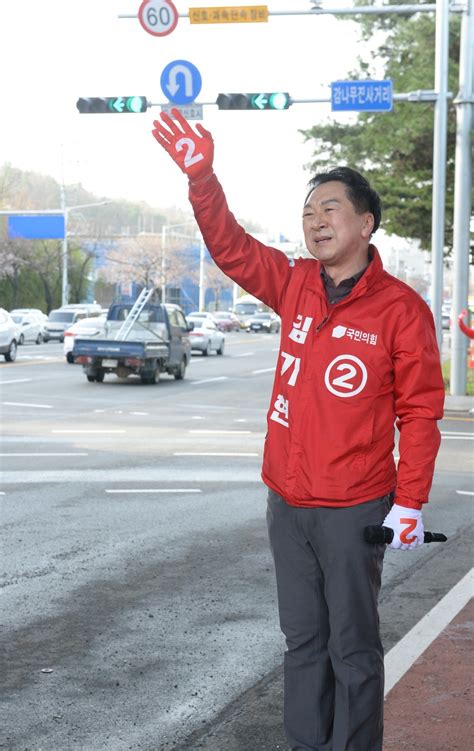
(358, 336)
(345, 376)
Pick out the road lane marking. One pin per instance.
(138, 413)
(263, 370)
(210, 380)
(154, 490)
(455, 432)
(459, 437)
(25, 404)
(17, 380)
(220, 432)
(210, 472)
(88, 431)
(402, 656)
(465, 492)
(212, 453)
(43, 454)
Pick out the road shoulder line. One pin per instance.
(402, 656)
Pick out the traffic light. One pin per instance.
(112, 104)
(277, 100)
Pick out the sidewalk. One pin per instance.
(428, 704)
(431, 707)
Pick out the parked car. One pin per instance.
(30, 327)
(202, 314)
(62, 318)
(205, 336)
(268, 322)
(86, 328)
(226, 321)
(34, 311)
(8, 336)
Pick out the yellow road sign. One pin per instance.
(232, 14)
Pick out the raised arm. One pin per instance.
(257, 268)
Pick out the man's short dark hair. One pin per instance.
(361, 195)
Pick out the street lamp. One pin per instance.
(65, 210)
(164, 234)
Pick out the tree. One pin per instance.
(395, 150)
(216, 280)
(141, 259)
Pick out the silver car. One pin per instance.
(8, 336)
(30, 327)
(205, 336)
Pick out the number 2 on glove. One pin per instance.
(189, 158)
(192, 150)
(410, 527)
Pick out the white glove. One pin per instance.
(407, 525)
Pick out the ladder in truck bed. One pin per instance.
(134, 313)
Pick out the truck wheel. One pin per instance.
(91, 379)
(150, 378)
(179, 375)
(220, 351)
(99, 376)
(10, 356)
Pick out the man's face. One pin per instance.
(334, 232)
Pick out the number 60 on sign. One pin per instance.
(158, 17)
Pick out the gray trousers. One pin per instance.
(328, 581)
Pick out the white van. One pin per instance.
(63, 318)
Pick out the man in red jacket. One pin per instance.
(358, 354)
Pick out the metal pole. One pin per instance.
(65, 284)
(464, 103)
(163, 265)
(202, 249)
(439, 163)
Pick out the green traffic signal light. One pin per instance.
(277, 100)
(112, 104)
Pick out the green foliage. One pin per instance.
(395, 150)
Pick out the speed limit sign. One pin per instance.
(158, 17)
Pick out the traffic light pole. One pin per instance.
(464, 103)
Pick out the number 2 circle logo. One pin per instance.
(345, 376)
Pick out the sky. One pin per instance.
(54, 51)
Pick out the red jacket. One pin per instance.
(344, 375)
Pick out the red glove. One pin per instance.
(193, 152)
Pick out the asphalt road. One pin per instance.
(139, 604)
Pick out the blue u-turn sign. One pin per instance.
(181, 82)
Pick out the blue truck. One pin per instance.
(144, 340)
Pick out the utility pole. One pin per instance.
(65, 282)
(464, 104)
(202, 251)
(438, 210)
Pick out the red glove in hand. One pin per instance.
(193, 152)
(407, 525)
